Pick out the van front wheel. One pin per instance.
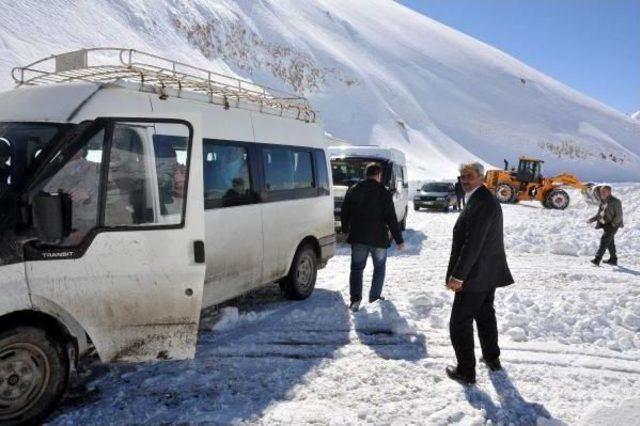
(34, 369)
(301, 281)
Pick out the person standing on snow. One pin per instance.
(460, 201)
(367, 215)
(609, 219)
(477, 265)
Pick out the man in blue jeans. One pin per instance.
(367, 215)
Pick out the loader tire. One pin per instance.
(506, 193)
(557, 199)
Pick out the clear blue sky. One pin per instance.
(590, 45)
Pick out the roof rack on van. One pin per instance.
(118, 64)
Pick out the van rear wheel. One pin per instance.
(301, 281)
(34, 370)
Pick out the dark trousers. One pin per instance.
(359, 255)
(607, 242)
(466, 308)
(460, 201)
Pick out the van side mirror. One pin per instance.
(52, 216)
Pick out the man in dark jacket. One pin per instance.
(460, 202)
(478, 264)
(609, 219)
(367, 215)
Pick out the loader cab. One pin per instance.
(529, 170)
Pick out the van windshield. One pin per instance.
(436, 187)
(349, 171)
(20, 146)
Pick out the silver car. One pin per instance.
(435, 195)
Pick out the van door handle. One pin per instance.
(198, 251)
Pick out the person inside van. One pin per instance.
(235, 166)
(126, 180)
(235, 195)
(368, 214)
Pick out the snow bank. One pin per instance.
(566, 233)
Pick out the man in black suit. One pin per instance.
(478, 264)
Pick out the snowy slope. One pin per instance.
(569, 334)
(378, 72)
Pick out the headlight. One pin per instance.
(442, 198)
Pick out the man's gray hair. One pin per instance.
(475, 166)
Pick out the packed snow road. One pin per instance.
(570, 335)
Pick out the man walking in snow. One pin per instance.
(609, 219)
(367, 215)
(477, 265)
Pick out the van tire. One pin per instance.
(301, 281)
(42, 367)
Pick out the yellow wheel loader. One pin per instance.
(527, 183)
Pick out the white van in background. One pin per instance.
(348, 163)
(143, 190)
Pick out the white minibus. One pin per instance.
(348, 163)
(138, 191)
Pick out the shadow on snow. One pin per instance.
(511, 407)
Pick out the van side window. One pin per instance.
(322, 175)
(287, 169)
(146, 179)
(227, 180)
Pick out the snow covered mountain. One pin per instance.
(378, 72)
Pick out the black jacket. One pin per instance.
(368, 214)
(459, 189)
(477, 254)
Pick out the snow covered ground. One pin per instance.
(570, 335)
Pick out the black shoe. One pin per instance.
(381, 298)
(595, 262)
(355, 306)
(612, 262)
(493, 365)
(454, 374)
